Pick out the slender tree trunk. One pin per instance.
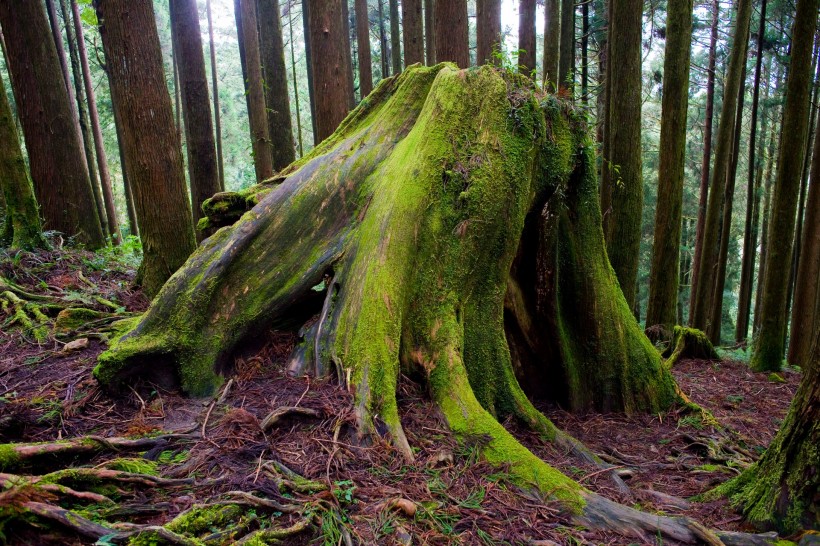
(429, 32)
(215, 90)
(451, 28)
(605, 186)
(488, 31)
(237, 11)
(805, 317)
(82, 115)
(566, 60)
(716, 312)
(175, 71)
(22, 228)
(309, 63)
(707, 158)
(664, 273)
(96, 130)
(203, 172)
(257, 112)
(766, 214)
(552, 41)
(626, 190)
(384, 50)
(330, 66)
(395, 36)
(363, 41)
(707, 267)
(295, 86)
(750, 230)
(413, 29)
(280, 128)
(526, 37)
(153, 157)
(768, 350)
(133, 223)
(585, 54)
(55, 150)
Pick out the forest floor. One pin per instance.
(446, 496)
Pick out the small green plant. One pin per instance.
(693, 421)
(734, 398)
(343, 491)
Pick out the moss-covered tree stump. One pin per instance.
(689, 343)
(452, 229)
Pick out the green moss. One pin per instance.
(776, 378)
(8, 456)
(133, 465)
(74, 318)
(689, 343)
(202, 518)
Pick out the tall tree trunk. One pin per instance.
(153, 157)
(237, 11)
(766, 216)
(384, 49)
(805, 317)
(330, 65)
(215, 91)
(175, 72)
(351, 96)
(451, 28)
(526, 37)
(395, 36)
(664, 277)
(715, 322)
(626, 185)
(363, 41)
(203, 172)
(707, 157)
(768, 349)
(257, 112)
(566, 60)
(295, 85)
(306, 32)
(749, 230)
(133, 223)
(82, 115)
(280, 128)
(707, 267)
(55, 150)
(585, 53)
(412, 26)
(429, 33)
(552, 41)
(488, 31)
(21, 228)
(96, 130)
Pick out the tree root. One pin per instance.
(279, 414)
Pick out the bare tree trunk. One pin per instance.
(413, 31)
(395, 36)
(488, 31)
(280, 128)
(707, 157)
(750, 231)
(330, 65)
(585, 54)
(99, 144)
(769, 346)
(133, 223)
(566, 60)
(452, 40)
(384, 49)
(215, 90)
(55, 150)
(348, 27)
(295, 85)
(136, 75)
(526, 37)
(309, 61)
(363, 41)
(203, 172)
(552, 41)
(82, 115)
(766, 216)
(429, 32)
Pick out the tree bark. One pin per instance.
(663, 283)
(363, 41)
(384, 48)
(295, 86)
(346, 22)
(429, 33)
(413, 32)
(707, 157)
(766, 215)
(153, 157)
(329, 66)
(626, 185)
(707, 267)
(215, 91)
(750, 230)
(488, 31)
(96, 130)
(805, 317)
(769, 346)
(526, 36)
(203, 171)
(451, 28)
(257, 111)
(280, 128)
(306, 32)
(552, 41)
(133, 223)
(566, 60)
(395, 36)
(21, 228)
(82, 115)
(58, 168)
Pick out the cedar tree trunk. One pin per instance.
(413, 32)
(395, 36)
(153, 158)
(488, 31)
(552, 41)
(363, 49)
(429, 33)
(566, 59)
(451, 29)
(58, 168)
(526, 36)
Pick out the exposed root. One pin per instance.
(279, 414)
(265, 536)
